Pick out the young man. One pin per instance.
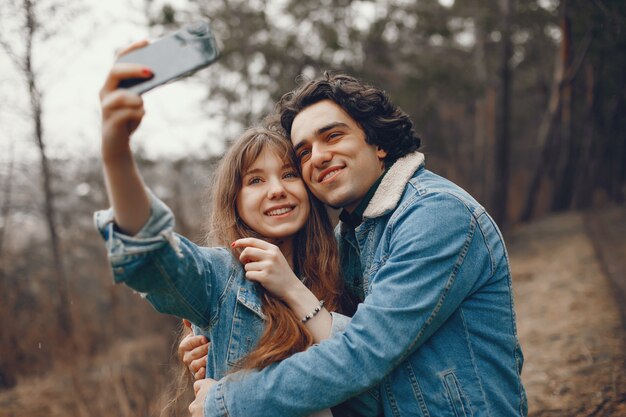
(436, 328)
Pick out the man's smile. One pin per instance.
(329, 173)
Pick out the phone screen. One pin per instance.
(173, 57)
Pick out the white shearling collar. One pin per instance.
(392, 186)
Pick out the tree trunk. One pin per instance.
(544, 141)
(5, 210)
(60, 276)
(481, 120)
(501, 151)
(585, 179)
(566, 152)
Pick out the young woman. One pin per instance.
(265, 229)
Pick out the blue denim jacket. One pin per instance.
(437, 326)
(205, 285)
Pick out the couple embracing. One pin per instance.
(406, 311)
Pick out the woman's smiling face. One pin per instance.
(273, 200)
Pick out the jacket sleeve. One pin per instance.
(413, 291)
(173, 274)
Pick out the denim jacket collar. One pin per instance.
(393, 184)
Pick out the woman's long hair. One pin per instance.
(315, 256)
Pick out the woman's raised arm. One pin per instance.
(122, 112)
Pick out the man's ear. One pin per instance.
(381, 153)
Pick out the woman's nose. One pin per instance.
(276, 190)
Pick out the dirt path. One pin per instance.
(569, 321)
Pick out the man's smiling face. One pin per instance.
(337, 164)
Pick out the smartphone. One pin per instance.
(173, 57)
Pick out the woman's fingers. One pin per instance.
(135, 45)
(121, 71)
(197, 365)
(252, 254)
(201, 374)
(120, 99)
(252, 242)
(192, 348)
(124, 121)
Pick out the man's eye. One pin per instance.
(303, 155)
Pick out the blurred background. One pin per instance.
(519, 102)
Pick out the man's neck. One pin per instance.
(353, 214)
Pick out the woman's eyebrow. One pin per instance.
(252, 171)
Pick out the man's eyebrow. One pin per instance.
(321, 131)
(330, 126)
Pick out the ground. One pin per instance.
(568, 281)
(568, 318)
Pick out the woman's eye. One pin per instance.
(254, 180)
(291, 174)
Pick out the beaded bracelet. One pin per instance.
(313, 313)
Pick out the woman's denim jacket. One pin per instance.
(204, 285)
(436, 328)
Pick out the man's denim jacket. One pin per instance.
(205, 285)
(437, 326)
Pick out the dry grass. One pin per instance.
(130, 380)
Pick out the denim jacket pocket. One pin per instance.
(247, 325)
(458, 400)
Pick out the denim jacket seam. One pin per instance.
(457, 265)
(473, 359)
(491, 257)
(450, 282)
(133, 247)
(174, 291)
(393, 404)
(234, 271)
(522, 392)
(417, 390)
(219, 397)
(461, 393)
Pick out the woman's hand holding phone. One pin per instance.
(122, 110)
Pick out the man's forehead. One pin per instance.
(317, 119)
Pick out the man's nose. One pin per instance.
(320, 155)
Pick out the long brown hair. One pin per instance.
(315, 256)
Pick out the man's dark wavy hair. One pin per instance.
(384, 123)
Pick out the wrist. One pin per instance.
(301, 300)
(116, 157)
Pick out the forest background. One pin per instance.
(519, 102)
